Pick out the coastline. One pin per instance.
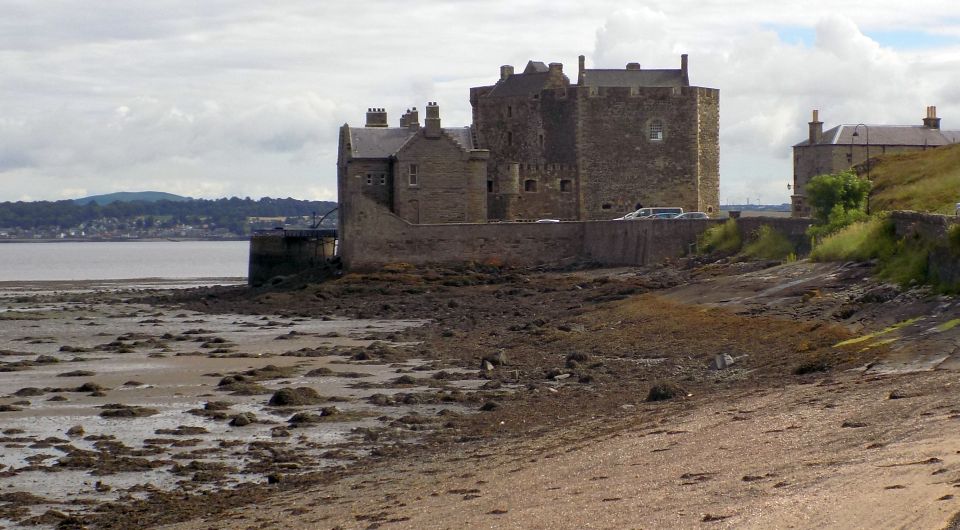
(126, 239)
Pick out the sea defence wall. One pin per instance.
(371, 236)
(285, 252)
(943, 260)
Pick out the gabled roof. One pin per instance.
(536, 67)
(631, 78)
(912, 135)
(384, 142)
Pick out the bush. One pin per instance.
(845, 190)
(724, 238)
(861, 241)
(769, 244)
(838, 219)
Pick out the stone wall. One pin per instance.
(372, 236)
(277, 253)
(943, 261)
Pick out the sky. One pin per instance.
(244, 98)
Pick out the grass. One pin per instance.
(861, 241)
(871, 336)
(925, 181)
(948, 325)
(724, 238)
(769, 244)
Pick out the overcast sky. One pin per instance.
(242, 98)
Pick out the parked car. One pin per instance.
(693, 215)
(664, 215)
(646, 213)
(548, 220)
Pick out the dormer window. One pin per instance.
(656, 130)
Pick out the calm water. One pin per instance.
(123, 260)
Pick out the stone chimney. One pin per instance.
(931, 121)
(413, 119)
(633, 66)
(376, 117)
(684, 71)
(431, 122)
(555, 76)
(581, 71)
(506, 71)
(816, 128)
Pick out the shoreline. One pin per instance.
(128, 239)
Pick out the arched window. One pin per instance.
(530, 185)
(656, 130)
(566, 185)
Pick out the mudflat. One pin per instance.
(715, 395)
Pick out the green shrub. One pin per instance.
(769, 244)
(840, 190)
(908, 264)
(723, 238)
(953, 239)
(839, 218)
(860, 241)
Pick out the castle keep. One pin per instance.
(543, 147)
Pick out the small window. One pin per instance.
(606, 206)
(413, 174)
(369, 179)
(383, 179)
(530, 185)
(509, 138)
(709, 209)
(849, 158)
(566, 185)
(509, 111)
(489, 186)
(541, 141)
(656, 130)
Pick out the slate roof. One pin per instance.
(631, 78)
(887, 135)
(384, 142)
(536, 67)
(519, 85)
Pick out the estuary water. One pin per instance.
(123, 260)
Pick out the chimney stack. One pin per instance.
(684, 70)
(376, 117)
(816, 128)
(581, 71)
(431, 122)
(931, 121)
(633, 66)
(413, 119)
(506, 71)
(555, 76)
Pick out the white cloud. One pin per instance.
(242, 98)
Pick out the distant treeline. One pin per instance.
(231, 212)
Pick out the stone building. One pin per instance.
(425, 175)
(844, 146)
(600, 148)
(542, 147)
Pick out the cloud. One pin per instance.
(243, 98)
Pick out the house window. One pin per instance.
(530, 185)
(656, 130)
(369, 179)
(509, 138)
(413, 174)
(566, 185)
(383, 179)
(489, 186)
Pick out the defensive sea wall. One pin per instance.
(371, 236)
(284, 252)
(943, 261)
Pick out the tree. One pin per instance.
(845, 189)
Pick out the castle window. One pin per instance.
(369, 179)
(606, 206)
(541, 141)
(530, 185)
(413, 174)
(656, 130)
(509, 111)
(383, 179)
(509, 138)
(566, 185)
(489, 186)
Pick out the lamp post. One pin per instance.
(856, 133)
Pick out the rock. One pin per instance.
(497, 359)
(405, 380)
(572, 328)
(560, 377)
(274, 478)
(279, 432)
(486, 366)
(722, 362)
(664, 391)
(76, 430)
(293, 397)
(90, 387)
(46, 359)
(116, 410)
(329, 411)
(217, 405)
(77, 373)
(28, 392)
(490, 405)
(243, 419)
(575, 359)
(303, 418)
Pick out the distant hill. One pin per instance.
(923, 181)
(130, 196)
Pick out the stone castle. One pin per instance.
(543, 147)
